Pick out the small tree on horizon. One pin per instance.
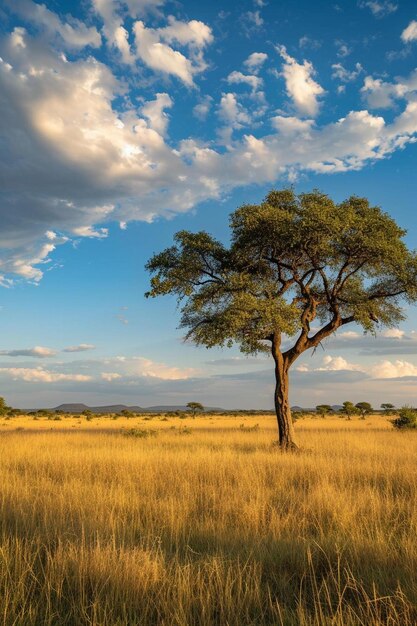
(364, 408)
(348, 409)
(324, 409)
(294, 260)
(194, 407)
(387, 407)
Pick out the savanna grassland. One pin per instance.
(175, 522)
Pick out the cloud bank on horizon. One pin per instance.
(124, 112)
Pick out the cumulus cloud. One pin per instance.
(254, 82)
(154, 111)
(393, 369)
(344, 75)
(382, 94)
(409, 33)
(331, 364)
(255, 61)
(82, 347)
(202, 109)
(40, 375)
(40, 352)
(231, 112)
(138, 366)
(300, 86)
(390, 341)
(75, 34)
(152, 46)
(82, 153)
(379, 8)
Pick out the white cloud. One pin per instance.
(231, 112)
(393, 369)
(381, 370)
(381, 94)
(193, 33)
(202, 109)
(254, 82)
(82, 347)
(395, 333)
(90, 231)
(40, 375)
(155, 113)
(289, 125)
(338, 363)
(379, 8)
(151, 45)
(255, 61)
(39, 352)
(131, 368)
(73, 32)
(300, 86)
(161, 57)
(409, 34)
(345, 75)
(109, 376)
(76, 162)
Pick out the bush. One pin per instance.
(407, 419)
(140, 433)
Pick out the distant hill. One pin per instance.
(79, 407)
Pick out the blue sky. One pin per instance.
(124, 121)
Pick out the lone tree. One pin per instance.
(387, 408)
(294, 260)
(323, 409)
(194, 407)
(364, 408)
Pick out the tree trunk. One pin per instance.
(286, 435)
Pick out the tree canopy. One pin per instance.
(293, 259)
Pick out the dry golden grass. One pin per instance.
(206, 523)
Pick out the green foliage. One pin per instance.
(387, 408)
(323, 409)
(195, 407)
(349, 409)
(364, 408)
(406, 420)
(292, 259)
(4, 408)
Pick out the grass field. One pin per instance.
(181, 522)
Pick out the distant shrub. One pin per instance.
(407, 419)
(140, 433)
(57, 418)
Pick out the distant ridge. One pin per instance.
(79, 407)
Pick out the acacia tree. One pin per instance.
(323, 409)
(294, 260)
(364, 408)
(194, 407)
(348, 409)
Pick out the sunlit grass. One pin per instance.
(207, 523)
